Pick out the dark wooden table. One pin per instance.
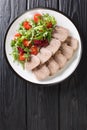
(25, 106)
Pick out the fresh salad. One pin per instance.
(31, 36)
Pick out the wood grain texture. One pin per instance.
(42, 107)
(42, 3)
(73, 91)
(12, 88)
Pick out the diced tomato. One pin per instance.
(37, 17)
(34, 50)
(26, 42)
(18, 35)
(21, 57)
(49, 25)
(26, 25)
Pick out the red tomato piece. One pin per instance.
(18, 35)
(34, 50)
(21, 57)
(37, 17)
(26, 25)
(26, 42)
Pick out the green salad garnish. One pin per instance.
(31, 36)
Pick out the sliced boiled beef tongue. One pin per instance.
(52, 56)
(33, 63)
(54, 45)
(73, 42)
(53, 66)
(67, 51)
(44, 55)
(60, 33)
(42, 72)
(60, 59)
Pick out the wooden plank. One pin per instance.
(73, 91)
(12, 88)
(42, 107)
(42, 102)
(42, 3)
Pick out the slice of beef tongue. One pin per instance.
(73, 42)
(33, 63)
(60, 59)
(67, 51)
(42, 72)
(54, 46)
(44, 55)
(53, 66)
(60, 33)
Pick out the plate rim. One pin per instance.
(52, 9)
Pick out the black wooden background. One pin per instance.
(25, 106)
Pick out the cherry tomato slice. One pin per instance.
(18, 35)
(26, 25)
(34, 50)
(21, 57)
(26, 42)
(37, 17)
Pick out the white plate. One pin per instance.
(61, 20)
